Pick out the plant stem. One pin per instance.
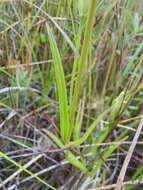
(86, 44)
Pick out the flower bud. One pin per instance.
(83, 7)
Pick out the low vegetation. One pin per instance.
(71, 92)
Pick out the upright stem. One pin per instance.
(86, 44)
(30, 6)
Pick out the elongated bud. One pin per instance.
(83, 7)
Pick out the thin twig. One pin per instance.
(10, 178)
(108, 187)
(128, 157)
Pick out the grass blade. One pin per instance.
(26, 170)
(61, 85)
(69, 155)
(86, 44)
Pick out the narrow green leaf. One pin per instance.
(136, 22)
(25, 170)
(61, 85)
(69, 155)
(88, 131)
(84, 53)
